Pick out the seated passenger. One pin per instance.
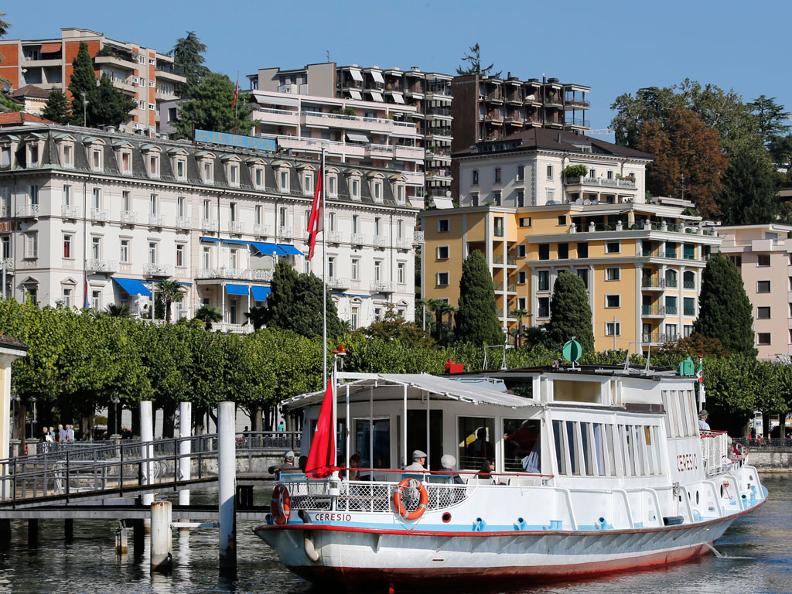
(448, 462)
(287, 466)
(418, 462)
(702, 423)
(486, 470)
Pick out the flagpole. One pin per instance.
(324, 276)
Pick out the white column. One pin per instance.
(147, 435)
(161, 535)
(226, 468)
(185, 431)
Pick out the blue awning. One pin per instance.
(290, 250)
(133, 286)
(236, 241)
(210, 239)
(266, 249)
(260, 293)
(241, 290)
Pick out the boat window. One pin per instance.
(610, 456)
(574, 458)
(521, 446)
(340, 432)
(599, 449)
(558, 438)
(586, 466)
(638, 449)
(650, 449)
(690, 408)
(658, 459)
(576, 391)
(475, 438)
(664, 394)
(382, 455)
(617, 462)
(629, 468)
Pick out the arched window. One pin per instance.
(689, 280)
(671, 278)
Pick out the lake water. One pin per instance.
(757, 550)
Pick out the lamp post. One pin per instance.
(85, 108)
(115, 400)
(14, 404)
(33, 422)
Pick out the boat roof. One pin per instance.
(390, 386)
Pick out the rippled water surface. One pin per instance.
(757, 550)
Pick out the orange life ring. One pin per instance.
(280, 507)
(423, 499)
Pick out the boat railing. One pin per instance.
(715, 452)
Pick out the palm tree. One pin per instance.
(440, 307)
(120, 310)
(519, 314)
(169, 292)
(207, 315)
(257, 316)
(4, 25)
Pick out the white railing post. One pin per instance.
(226, 469)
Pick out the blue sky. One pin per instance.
(612, 45)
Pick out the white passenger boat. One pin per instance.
(596, 471)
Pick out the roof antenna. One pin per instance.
(327, 53)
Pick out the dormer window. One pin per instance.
(283, 181)
(96, 159)
(308, 183)
(354, 188)
(376, 190)
(33, 155)
(232, 172)
(181, 168)
(258, 177)
(207, 171)
(5, 156)
(332, 184)
(400, 192)
(67, 154)
(153, 165)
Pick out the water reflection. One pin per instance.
(89, 564)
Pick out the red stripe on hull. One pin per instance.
(353, 578)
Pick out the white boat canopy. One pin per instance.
(391, 386)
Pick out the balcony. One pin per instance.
(262, 230)
(155, 220)
(409, 152)
(653, 311)
(70, 212)
(99, 216)
(157, 270)
(382, 151)
(333, 237)
(171, 76)
(208, 225)
(183, 223)
(8, 264)
(116, 61)
(360, 239)
(648, 284)
(337, 282)
(102, 266)
(237, 227)
(284, 232)
(28, 211)
(128, 217)
(553, 100)
(382, 287)
(600, 182)
(404, 244)
(236, 274)
(381, 242)
(658, 338)
(576, 122)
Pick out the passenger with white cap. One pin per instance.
(418, 461)
(287, 466)
(448, 463)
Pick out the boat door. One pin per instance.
(416, 435)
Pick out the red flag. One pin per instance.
(315, 218)
(322, 455)
(236, 95)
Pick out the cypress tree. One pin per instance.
(58, 108)
(570, 313)
(110, 106)
(281, 297)
(749, 190)
(477, 317)
(307, 307)
(724, 307)
(83, 80)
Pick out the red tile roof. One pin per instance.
(17, 118)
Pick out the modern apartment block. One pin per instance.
(491, 108)
(116, 213)
(640, 261)
(388, 107)
(764, 255)
(144, 74)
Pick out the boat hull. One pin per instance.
(353, 557)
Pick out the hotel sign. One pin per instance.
(239, 140)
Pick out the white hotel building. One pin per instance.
(117, 213)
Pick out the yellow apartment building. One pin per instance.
(640, 261)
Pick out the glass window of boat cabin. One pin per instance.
(382, 453)
(522, 440)
(476, 442)
(340, 441)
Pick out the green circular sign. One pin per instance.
(572, 350)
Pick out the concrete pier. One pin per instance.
(226, 466)
(161, 536)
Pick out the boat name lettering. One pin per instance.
(331, 517)
(687, 462)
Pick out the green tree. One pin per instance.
(208, 315)
(307, 308)
(477, 316)
(771, 117)
(110, 107)
(724, 308)
(442, 328)
(472, 59)
(281, 297)
(83, 85)
(188, 56)
(4, 25)
(257, 316)
(393, 326)
(58, 108)
(749, 190)
(210, 107)
(169, 292)
(117, 310)
(570, 314)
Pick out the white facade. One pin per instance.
(203, 216)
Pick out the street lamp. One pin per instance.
(115, 400)
(85, 108)
(14, 404)
(35, 419)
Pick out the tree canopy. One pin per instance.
(477, 316)
(725, 312)
(58, 108)
(749, 190)
(188, 56)
(570, 313)
(472, 60)
(210, 107)
(107, 106)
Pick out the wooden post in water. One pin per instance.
(161, 536)
(122, 541)
(226, 470)
(138, 539)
